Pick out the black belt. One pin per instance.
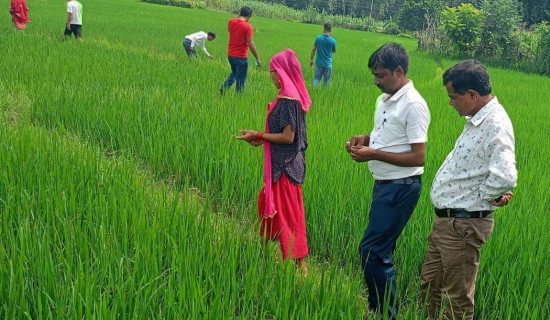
(461, 213)
(407, 180)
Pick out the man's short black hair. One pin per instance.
(467, 75)
(212, 34)
(390, 56)
(245, 12)
(328, 27)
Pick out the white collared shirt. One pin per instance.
(399, 121)
(198, 39)
(482, 165)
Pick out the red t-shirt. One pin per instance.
(239, 30)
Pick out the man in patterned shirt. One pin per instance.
(474, 180)
(395, 151)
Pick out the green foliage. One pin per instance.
(391, 27)
(195, 4)
(279, 11)
(542, 32)
(262, 9)
(500, 22)
(463, 26)
(412, 16)
(127, 197)
(311, 15)
(535, 11)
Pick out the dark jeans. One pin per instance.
(239, 70)
(392, 206)
(76, 29)
(322, 72)
(187, 46)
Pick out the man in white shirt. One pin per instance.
(197, 39)
(74, 20)
(475, 179)
(395, 151)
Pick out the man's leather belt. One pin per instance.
(407, 180)
(461, 213)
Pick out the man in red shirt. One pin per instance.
(240, 39)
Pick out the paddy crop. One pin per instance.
(124, 194)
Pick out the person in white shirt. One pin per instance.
(476, 178)
(197, 39)
(395, 151)
(74, 20)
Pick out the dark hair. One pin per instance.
(467, 75)
(245, 12)
(212, 34)
(390, 56)
(328, 27)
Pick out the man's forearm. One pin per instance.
(254, 52)
(312, 54)
(405, 159)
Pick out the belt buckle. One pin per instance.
(448, 212)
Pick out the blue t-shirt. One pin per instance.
(325, 46)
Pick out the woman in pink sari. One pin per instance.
(280, 202)
(20, 13)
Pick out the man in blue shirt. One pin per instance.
(325, 46)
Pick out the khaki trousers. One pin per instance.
(449, 273)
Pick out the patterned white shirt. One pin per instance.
(399, 121)
(197, 40)
(482, 165)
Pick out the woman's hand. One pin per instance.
(250, 136)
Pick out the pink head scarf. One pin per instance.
(293, 87)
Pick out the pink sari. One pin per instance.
(287, 226)
(293, 87)
(20, 13)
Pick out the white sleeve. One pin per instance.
(500, 150)
(204, 48)
(418, 121)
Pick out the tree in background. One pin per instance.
(542, 61)
(500, 24)
(462, 25)
(412, 15)
(535, 11)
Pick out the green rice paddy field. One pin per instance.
(123, 194)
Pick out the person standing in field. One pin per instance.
(74, 20)
(20, 13)
(395, 151)
(280, 202)
(476, 178)
(240, 39)
(197, 39)
(325, 46)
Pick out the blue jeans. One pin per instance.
(322, 72)
(239, 70)
(187, 46)
(392, 206)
